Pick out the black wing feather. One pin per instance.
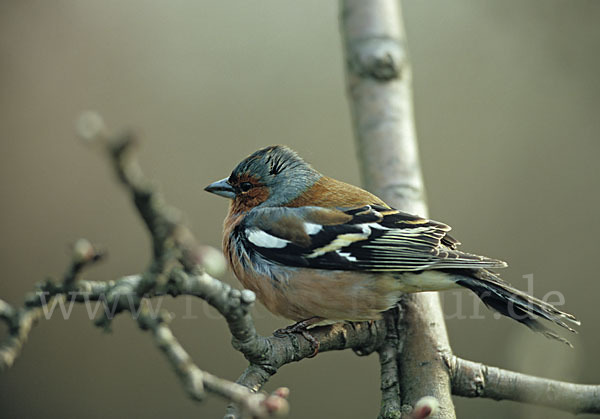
(375, 239)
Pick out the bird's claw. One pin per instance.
(301, 328)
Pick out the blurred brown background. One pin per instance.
(507, 99)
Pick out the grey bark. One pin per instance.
(379, 88)
(473, 379)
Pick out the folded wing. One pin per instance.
(369, 238)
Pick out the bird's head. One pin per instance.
(272, 176)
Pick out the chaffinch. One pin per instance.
(316, 250)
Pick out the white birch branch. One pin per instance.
(379, 87)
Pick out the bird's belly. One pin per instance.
(301, 293)
(334, 295)
(342, 295)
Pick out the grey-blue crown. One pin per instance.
(281, 169)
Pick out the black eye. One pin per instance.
(246, 186)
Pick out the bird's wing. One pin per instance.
(369, 238)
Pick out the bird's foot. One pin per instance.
(301, 327)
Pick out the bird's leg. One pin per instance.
(299, 326)
(302, 328)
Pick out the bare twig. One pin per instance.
(473, 379)
(196, 381)
(175, 270)
(20, 322)
(379, 87)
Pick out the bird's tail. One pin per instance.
(510, 302)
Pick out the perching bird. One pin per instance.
(315, 249)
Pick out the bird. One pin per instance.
(317, 250)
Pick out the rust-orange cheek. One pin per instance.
(248, 200)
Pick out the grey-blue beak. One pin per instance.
(221, 188)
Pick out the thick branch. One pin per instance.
(391, 404)
(363, 338)
(473, 379)
(378, 77)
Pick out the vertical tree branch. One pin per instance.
(390, 381)
(379, 87)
